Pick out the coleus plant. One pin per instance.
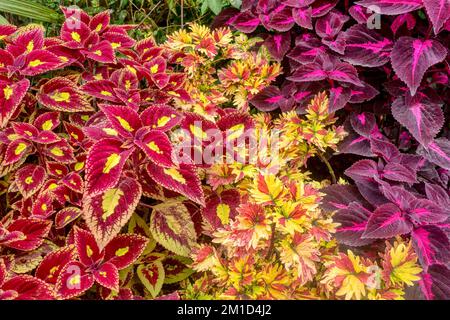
(87, 146)
(385, 65)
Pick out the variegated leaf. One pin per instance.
(171, 225)
(29, 179)
(106, 213)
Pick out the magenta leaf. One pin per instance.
(437, 151)
(421, 116)
(431, 245)
(438, 11)
(353, 222)
(435, 283)
(387, 221)
(366, 47)
(391, 7)
(412, 57)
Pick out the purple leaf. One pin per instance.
(322, 7)
(387, 221)
(424, 211)
(411, 57)
(339, 97)
(355, 144)
(282, 20)
(268, 99)
(385, 149)
(363, 123)
(302, 17)
(278, 45)
(331, 24)
(340, 196)
(365, 47)
(246, 22)
(438, 11)
(435, 283)
(431, 245)
(421, 116)
(397, 172)
(363, 168)
(437, 151)
(391, 7)
(353, 222)
(359, 94)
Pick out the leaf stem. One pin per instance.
(330, 169)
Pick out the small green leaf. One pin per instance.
(215, 6)
(152, 277)
(236, 3)
(3, 20)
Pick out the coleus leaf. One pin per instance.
(330, 25)
(123, 119)
(160, 117)
(73, 280)
(29, 179)
(156, 145)
(412, 57)
(420, 115)
(438, 11)
(385, 222)
(106, 213)
(104, 164)
(152, 277)
(220, 208)
(268, 99)
(353, 220)
(182, 179)
(61, 94)
(435, 283)
(431, 245)
(366, 47)
(171, 225)
(11, 95)
(66, 216)
(391, 7)
(341, 196)
(37, 62)
(27, 287)
(437, 152)
(124, 249)
(32, 231)
(52, 264)
(176, 269)
(278, 45)
(107, 276)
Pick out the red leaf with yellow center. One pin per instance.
(107, 276)
(160, 117)
(25, 130)
(16, 151)
(123, 119)
(106, 213)
(66, 216)
(100, 21)
(37, 62)
(47, 121)
(101, 52)
(74, 33)
(88, 252)
(182, 179)
(29, 179)
(52, 264)
(124, 249)
(60, 151)
(27, 41)
(43, 205)
(156, 146)
(221, 208)
(11, 95)
(104, 164)
(102, 89)
(74, 182)
(73, 280)
(61, 94)
(33, 233)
